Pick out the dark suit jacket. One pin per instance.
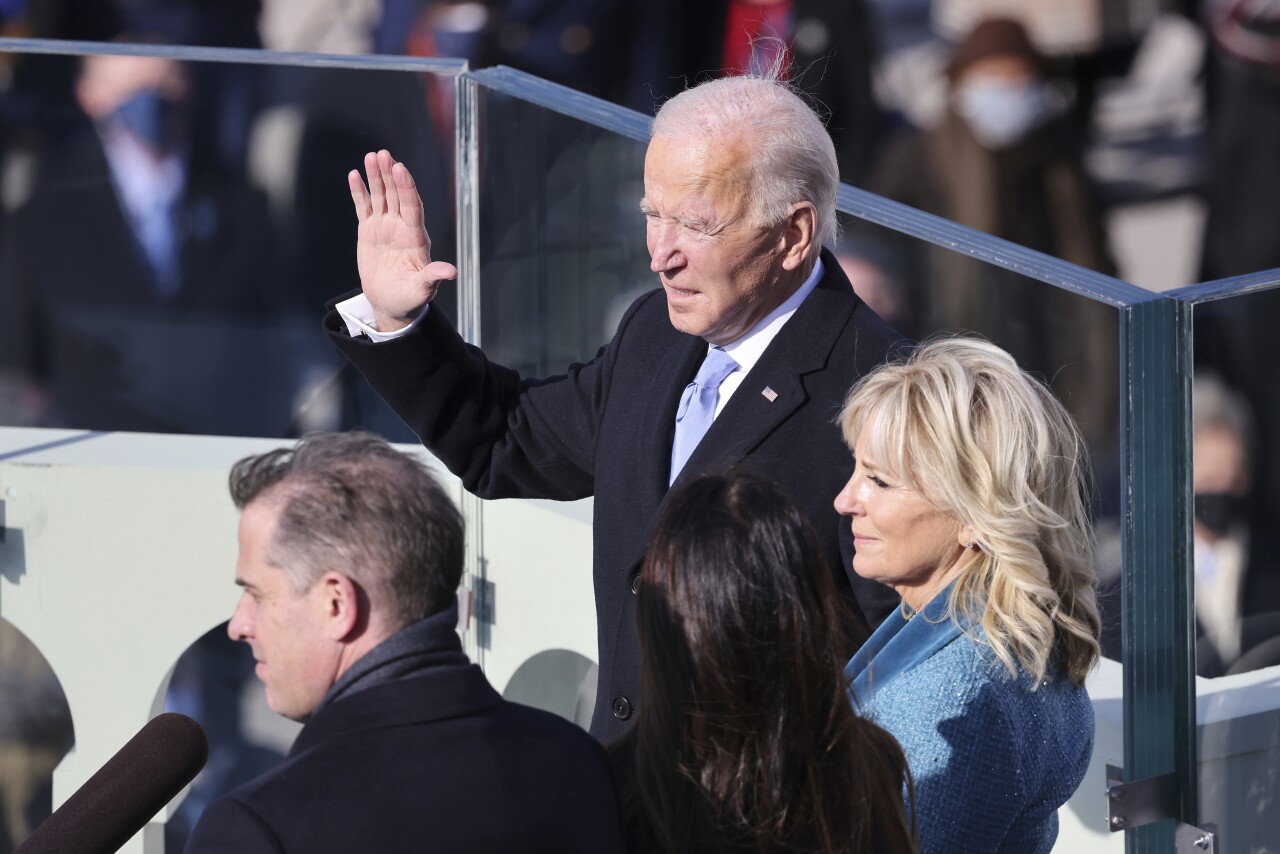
(438, 762)
(80, 300)
(605, 429)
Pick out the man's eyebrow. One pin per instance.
(240, 582)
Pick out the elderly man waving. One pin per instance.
(742, 359)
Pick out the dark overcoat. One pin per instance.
(605, 429)
(438, 762)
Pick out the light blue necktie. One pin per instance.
(698, 407)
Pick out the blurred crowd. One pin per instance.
(1029, 121)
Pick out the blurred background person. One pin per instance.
(35, 733)
(746, 741)
(830, 51)
(131, 227)
(1237, 563)
(969, 497)
(1235, 338)
(1002, 161)
(1243, 178)
(999, 161)
(640, 54)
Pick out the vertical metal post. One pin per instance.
(467, 191)
(1157, 594)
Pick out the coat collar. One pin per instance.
(899, 645)
(441, 692)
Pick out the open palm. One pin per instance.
(393, 249)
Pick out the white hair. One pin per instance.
(793, 159)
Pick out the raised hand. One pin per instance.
(393, 249)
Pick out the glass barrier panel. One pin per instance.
(562, 242)
(1235, 487)
(36, 731)
(172, 228)
(1236, 484)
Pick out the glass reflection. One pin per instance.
(1236, 486)
(35, 733)
(562, 241)
(158, 276)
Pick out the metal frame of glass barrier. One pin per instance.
(534, 90)
(1158, 640)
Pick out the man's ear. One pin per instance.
(799, 231)
(342, 603)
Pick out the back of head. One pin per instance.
(963, 426)
(746, 729)
(352, 503)
(794, 159)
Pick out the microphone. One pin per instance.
(122, 797)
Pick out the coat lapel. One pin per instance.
(774, 389)
(667, 377)
(802, 346)
(898, 646)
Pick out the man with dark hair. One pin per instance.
(350, 553)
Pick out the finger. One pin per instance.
(359, 195)
(410, 199)
(377, 195)
(386, 165)
(439, 271)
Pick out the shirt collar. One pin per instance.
(748, 349)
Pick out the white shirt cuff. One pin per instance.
(358, 315)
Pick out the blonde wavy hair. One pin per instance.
(963, 426)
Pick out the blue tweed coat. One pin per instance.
(992, 759)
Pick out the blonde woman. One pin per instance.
(968, 497)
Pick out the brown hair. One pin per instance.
(747, 737)
(351, 502)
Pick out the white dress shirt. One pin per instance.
(748, 349)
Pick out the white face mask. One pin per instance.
(1002, 112)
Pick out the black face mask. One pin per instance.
(1218, 511)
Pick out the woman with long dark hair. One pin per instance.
(746, 741)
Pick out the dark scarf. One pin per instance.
(429, 642)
